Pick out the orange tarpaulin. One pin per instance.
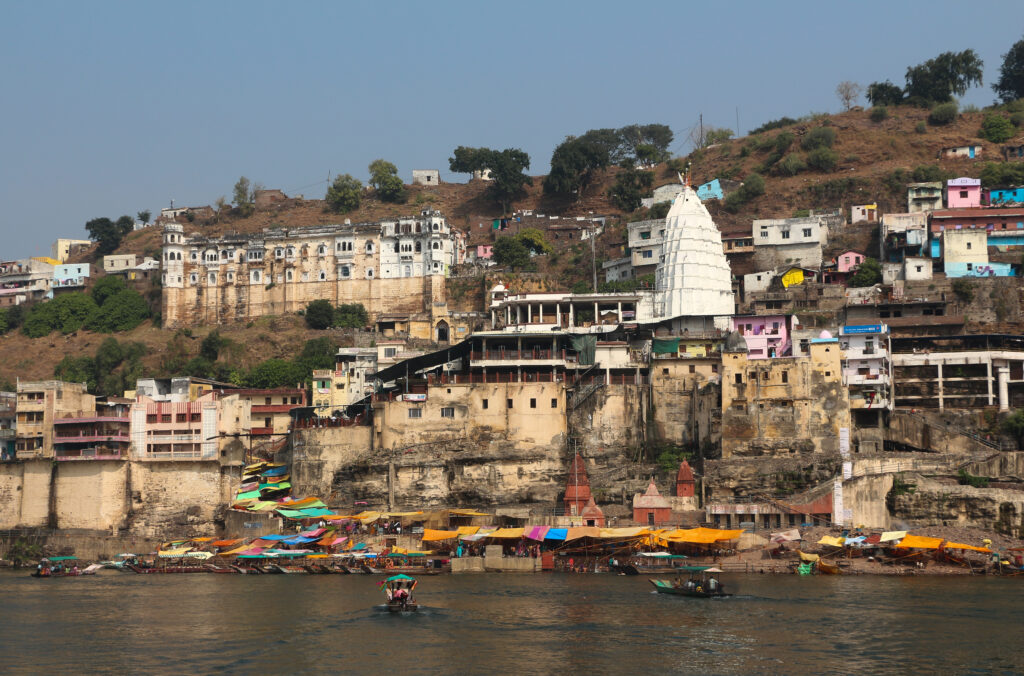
(582, 532)
(702, 536)
(919, 542)
(956, 545)
(467, 530)
(225, 543)
(430, 535)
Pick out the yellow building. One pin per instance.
(62, 248)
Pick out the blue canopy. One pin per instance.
(556, 534)
(299, 540)
(275, 471)
(361, 545)
(275, 537)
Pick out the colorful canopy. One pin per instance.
(508, 533)
(468, 530)
(578, 532)
(702, 535)
(831, 541)
(957, 545)
(891, 535)
(430, 535)
(173, 553)
(303, 513)
(395, 578)
(556, 534)
(919, 542)
(466, 512)
(537, 532)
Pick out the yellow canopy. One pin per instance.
(831, 541)
(403, 550)
(254, 467)
(810, 558)
(316, 556)
(201, 539)
(172, 553)
(263, 506)
(236, 550)
(466, 512)
(957, 545)
(367, 517)
(430, 535)
(890, 535)
(336, 517)
(582, 532)
(702, 535)
(633, 532)
(395, 515)
(467, 530)
(919, 542)
(243, 504)
(508, 533)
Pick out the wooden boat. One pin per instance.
(166, 569)
(213, 568)
(399, 590)
(697, 591)
(828, 568)
(57, 567)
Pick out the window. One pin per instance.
(693, 369)
(807, 233)
(390, 352)
(369, 273)
(764, 234)
(554, 403)
(344, 272)
(533, 403)
(289, 275)
(739, 378)
(448, 412)
(165, 417)
(664, 372)
(968, 245)
(267, 422)
(714, 368)
(785, 376)
(415, 412)
(151, 418)
(828, 374)
(369, 247)
(764, 376)
(180, 417)
(648, 254)
(323, 275)
(963, 194)
(508, 403)
(484, 403)
(785, 234)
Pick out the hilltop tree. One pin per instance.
(511, 252)
(646, 141)
(575, 162)
(631, 185)
(319, 314)
(1010, 85)
(848, 93)
(109, 234)
(344, 194)
(884, 94)
(241, 194)
(144, 215)
(384, 179)
(937, 80)
(506, 166)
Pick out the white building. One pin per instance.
(693, 278)
(645, 240)
(618, 270)
(663, 193)
(426, 177)
(788, 241)
(867, 366)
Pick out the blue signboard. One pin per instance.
(862, 328)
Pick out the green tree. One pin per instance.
(105, 287)
(996, 128)
(823, 159)
(384, 179)
(716, 135)
(351, 316)
(506, 167)
(869, 273)
(319, 314)
(77, 370)
(1010, 85)
(144, 215)
(575, 162)
(511, 252)
(241, 195)
(884, 94)
(534, 240)
(938, 79)
(344, 194)
(944, 113)
(819, 137)
(659, 210)
(790, 165)
(121, 312)
(1013, 425)
(275, 373)
(108, 234)
(318, 353)
(631, 185)
(467, 160)
(212, 345)
(67, 313)
(644, 142)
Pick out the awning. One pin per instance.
(225, 543)
(891, 535)
(467, 530)
(303, 513)
(248, 495)
(199, 555)
(537, 532)
(578, 532)
(263, 506)
(919, 542)
(556, 534)
(201, 539)
(831, 541)
(173, 553)
(430, 535)
(702, 535)
(237, 550)
(508, 533)
(957, 545)
(792, 535)
(465, 512)
(315, 533)
(633, 532)
(399, 515)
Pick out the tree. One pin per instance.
(996, 128)
(938, 79)
(819, 137)
(534, 240)
(631, 185)
(884, 94)
(384, 179)
(848, 93)
(105, 287)
(1014, 426)
(659, 210)
(275, 373)
(574, 163)
(467, 160)
(507, 175)
(211, 346)
(318, 353)
(144, 215)
(709, 136)
(351, 316)
(869, 273)
(344, 194)
(1010, 85)
(511, 252)
(648, 142)
(241, 195)
(319, 315)
(68, 313)
(108, 234)
(823, 159)
(121, 312)
(76, 370)
(944, 113)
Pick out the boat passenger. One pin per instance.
(712, 585)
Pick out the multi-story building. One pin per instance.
(70, 277)
(902, 235)
(8, 418)
(99, 433)
(392, 267)
(26, 280)
(271, 410)
(783, 405)
(645, 241)
(187, 430)
(924, 197)
(867, 370)
(348, 382)
(963, 193)
(40, 405)
(62, 249)
(781, 241)
(766, 336)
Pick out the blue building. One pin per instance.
(70, 275)
(990, 269)
(712, 190)
(1006, 196)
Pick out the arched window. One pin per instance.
(369, 247)
(407, 271)
(321, 250)
(193, 278)
(344, 272)
(369, 273)
(418, 247)
(289, 275)
(323, 276)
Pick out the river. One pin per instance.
(493, 623)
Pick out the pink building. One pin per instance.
(963, 193)
(842, 267)
(484, 250)
(767, 336)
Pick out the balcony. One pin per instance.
(538, 357)
(91, 454)
(876, 403)
(261, 431)
(121, 436)
(876, 379)
(865, 353)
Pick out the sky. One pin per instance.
(110, 108)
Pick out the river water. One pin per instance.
(493, 623)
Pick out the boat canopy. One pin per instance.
(62, 558)
(396, 578)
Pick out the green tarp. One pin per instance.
(585, 347)
(303, 513)
(250, 495)
(665, 345)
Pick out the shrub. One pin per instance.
(753, 186)
(921, 128)
(879, 113)
(774, 124)
(963, 289)
(927, 172)
(319, 314)
(783, 141)
(351, 316)
(823, 159)
(791, 165)
(1015, 106)
(996, 128)
(1017, 119)
(944, 113)
(821, 137)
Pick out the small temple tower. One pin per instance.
(577, 489)
(685, 485)
(650, 507)
(592, 514)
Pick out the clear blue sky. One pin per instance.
(110, 108)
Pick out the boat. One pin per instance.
(62, 566)
(827, 568)
(399, 590)
(149, 570)
(700, 584)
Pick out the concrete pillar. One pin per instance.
(941, 403)
(597, 315)
(540, 312)
(1003, 371)
(529, 312)
(988, 369)
(572, 317)
(620, 312)
(558, 314)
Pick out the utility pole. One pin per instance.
(701, 130)
(593, 257)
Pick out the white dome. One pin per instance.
(825, 334)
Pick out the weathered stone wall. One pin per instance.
(91, 494)
(946, 503)
(318, 454)
(11, 491)
(683, 401)
(865, 498)
(35, 493)
(179, 498)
